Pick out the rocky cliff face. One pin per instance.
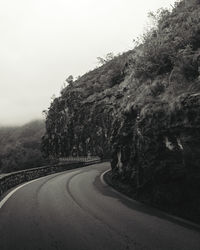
(141, 109)
(158, 152)
(79, 122)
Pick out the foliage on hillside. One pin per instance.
(142, 109)
(79, 120)
(20, 146)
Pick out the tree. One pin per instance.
(107, 58)
(70, 79)
(45, 113)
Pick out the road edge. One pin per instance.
(173, 218)
(12, 191)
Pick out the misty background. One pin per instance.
(44, 41)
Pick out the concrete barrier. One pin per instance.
(80, 159)
(10, 180)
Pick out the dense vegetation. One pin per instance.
(20, 146)
(141, 109)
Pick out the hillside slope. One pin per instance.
(20, 146)
(142, 110)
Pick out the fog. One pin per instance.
(44, 41)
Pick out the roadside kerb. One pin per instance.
(166, 215)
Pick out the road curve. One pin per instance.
(74, 210)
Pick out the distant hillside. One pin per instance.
(20, 146)
(142, 110)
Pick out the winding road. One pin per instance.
(75, 210)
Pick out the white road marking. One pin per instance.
(15, 190)
(2, 202)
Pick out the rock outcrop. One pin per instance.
(142, 110)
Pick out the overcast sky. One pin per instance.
(44, 41)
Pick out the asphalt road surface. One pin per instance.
(75, 210)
